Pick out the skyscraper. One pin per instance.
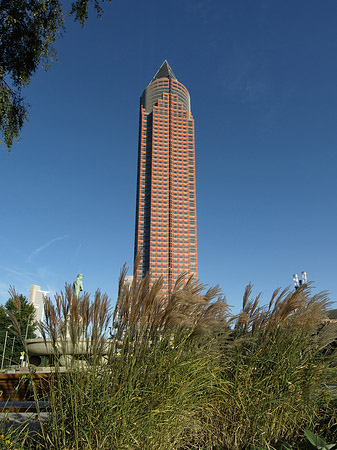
(166, 230)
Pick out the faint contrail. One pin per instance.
(76, 253)
(15, 272)
(47, 244)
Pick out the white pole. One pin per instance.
(27, 327)
(10, 360)
(3, 353)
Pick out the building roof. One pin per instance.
(332, 314)
(165, 71)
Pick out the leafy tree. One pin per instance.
(18, 318)
(28, 30)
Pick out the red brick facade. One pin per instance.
(166, 230)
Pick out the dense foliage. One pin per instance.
(28, 30)
(184, 373)
(17, 310)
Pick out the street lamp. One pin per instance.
(298, 282)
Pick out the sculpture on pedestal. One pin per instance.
(78, 285)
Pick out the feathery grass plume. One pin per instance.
(78, 330)
(182, 372)
(17, 304)
(160, 372)
(19, 320)
(141, 309)
(272, 370)
(77, 325)
(150, 394)
(188, 309)
(250, 314)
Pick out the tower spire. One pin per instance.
(164, 71)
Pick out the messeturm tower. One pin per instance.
(166, 224)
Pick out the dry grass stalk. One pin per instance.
(155, 395)
(77, 322)
(290, 309)
(17, 304)
(144, 310)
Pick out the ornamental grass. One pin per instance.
(184, 372)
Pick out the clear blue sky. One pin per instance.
(262, 79)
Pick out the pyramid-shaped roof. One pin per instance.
(165, 71)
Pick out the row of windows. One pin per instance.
(176, 102)
(165, 208)
(160, 235)
(179, 86)
(172, 253)
(145, 199)
(159, 173)
(172, 241)
(146, 227)
(179, 114)
(161, 111)
(145, 243)
(159, 122)
(178, 173)
(158, 219)
(178, 182)
(158, 155)
(177, 127)
(164, 213)
(161, 149)
(176, 265)
(181, 240)
(182, 249)
(171, 249)
(179, 131)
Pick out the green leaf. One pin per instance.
(317, 441)
(285, 446)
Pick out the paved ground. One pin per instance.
(17, 419)
(20, 418)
